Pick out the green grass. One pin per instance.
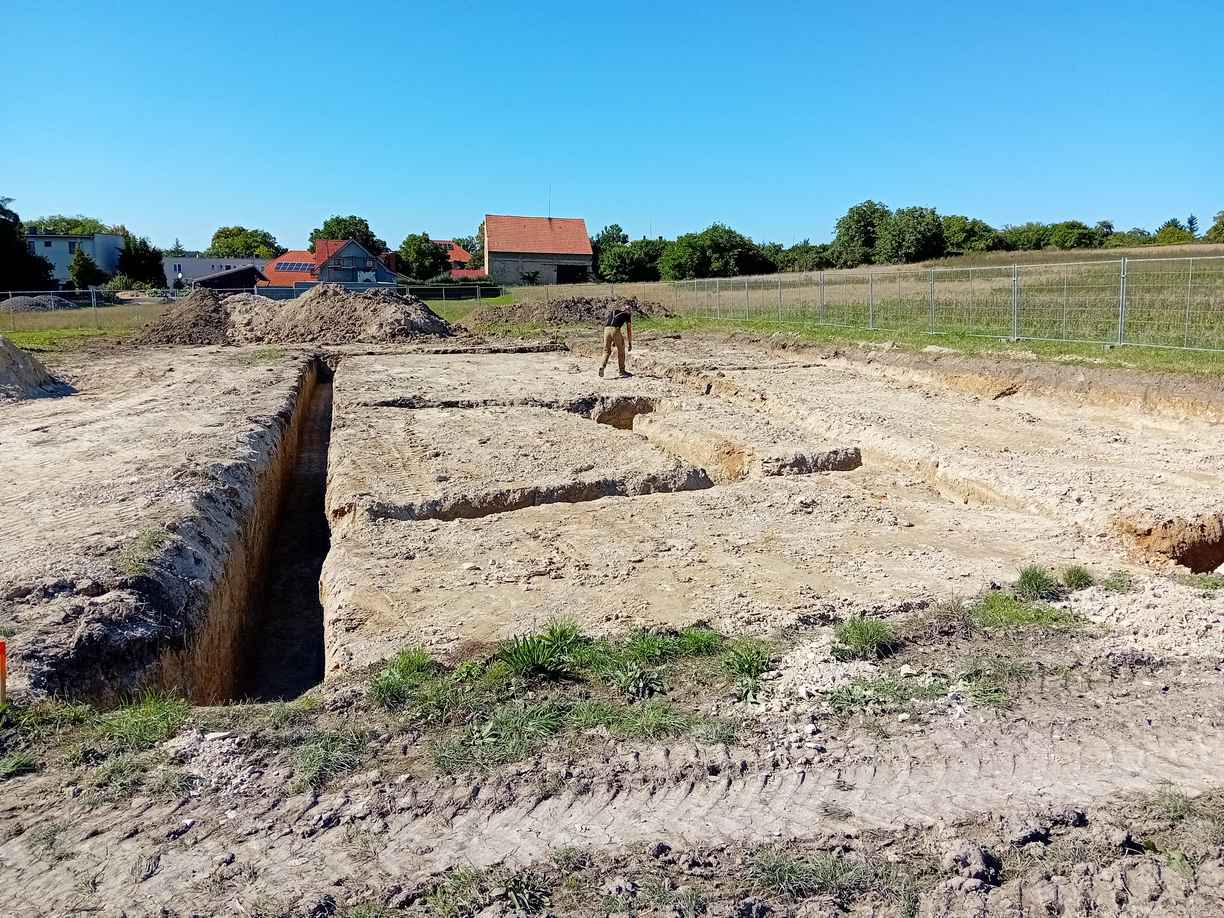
(863, 638)
(326, 755)
(989, 682)
(16, 764)
(394, 687)
(1076, 577)
(260, 356)
(1208, 583)
(461, 893)
(142, 724)
(535, 655)
(777, 871)
(1036, 583)
(1118, 582)
(134, 558)
(51, 340)
(1003, 611)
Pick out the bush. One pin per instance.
(1076, 577)
(1036, 583)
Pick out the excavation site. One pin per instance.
(411, 621)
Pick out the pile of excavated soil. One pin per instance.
(329, 314)
(197, 318)
(22, 375)
(569, 310)
(44, 302)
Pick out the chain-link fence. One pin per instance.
(1159, 302)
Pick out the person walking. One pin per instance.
(613, 337)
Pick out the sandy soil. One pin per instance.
(1069, 768)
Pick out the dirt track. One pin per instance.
(472, 497)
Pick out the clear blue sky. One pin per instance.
(773, 118)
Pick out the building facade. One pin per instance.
(537, 250)
(334, 261)
(103, 248)
(191, 266)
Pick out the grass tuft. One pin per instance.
(635, 680)
(863, 638)
(1208, 583)
(1076, 577)
(886, 693)
(326, 755)
(134, 558)
(461, 893)
(698, 641)
(781, 872)
(142, 724)
(747, 658)
(1001, 611)
(1036, 584)
(1118, 582)
(534, 656)
(395, 685)
(16, 764)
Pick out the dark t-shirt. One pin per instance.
(616, 318)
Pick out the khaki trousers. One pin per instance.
(614, 338)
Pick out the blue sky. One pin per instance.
(773, 118)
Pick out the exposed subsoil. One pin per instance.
(197, 318)
(570, 310)
(22, 375)
(1071, 764)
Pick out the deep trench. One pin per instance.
(285, 647)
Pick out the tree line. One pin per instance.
(869, 233)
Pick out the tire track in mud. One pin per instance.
(956, 776)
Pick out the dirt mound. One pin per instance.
(44, 302)
(329, 314)
(22, 375)
(569, 310)
(197, 318)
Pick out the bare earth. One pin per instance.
(471, 497)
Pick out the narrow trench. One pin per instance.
(285, 647)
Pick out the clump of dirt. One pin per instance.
(42, 303)
(329, 314)
(197, 318)
(22, 375)
(569, 310)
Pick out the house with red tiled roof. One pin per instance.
(334, 261)
(543, 250)
(458, 255)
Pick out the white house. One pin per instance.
(191, 266)
(103, 248)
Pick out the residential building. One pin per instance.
(240, 277)
(544, 250)
(334, 261)
(191, 266)
(103, 248)
(458, 255)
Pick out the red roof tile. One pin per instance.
(326, 248)
(537, 235)
(454, 251)
(279, 278)
(464, 273)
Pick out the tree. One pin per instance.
(855, 235)
(84, 271)
(350, 227)
(969, 234)
(1132, 237)
(908, 235)
(1172, 232)
(467, 243)
(79, 225)
(141, 261)
(421, 258)
(241, 242)
(177, 248)
(477, 249)
(611, 235)
(1192, 224)
(717, 251)
(1028, 236)
(636, 261)
(1072, 234)
(805, 256)
(20, 269)
(1103, 230)
(1216, 233)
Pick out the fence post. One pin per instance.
(824, 310)
(1066, 300)
(1015, 303)
(747, 302)
(779, 299)
(930, 302)
(1189, 294)
(93, 304)
(870, 300)
(1122, 304)
(478, 294)
(718, 298)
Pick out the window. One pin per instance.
(72, 247)
(46, 243)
